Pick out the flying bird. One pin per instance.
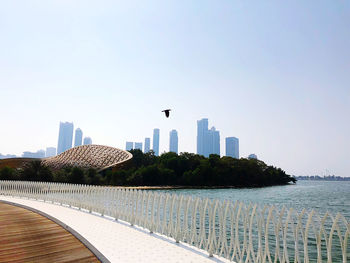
(167, 112)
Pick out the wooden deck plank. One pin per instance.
(26, 236)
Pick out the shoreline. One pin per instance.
(174, 187)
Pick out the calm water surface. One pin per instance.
(322, 196)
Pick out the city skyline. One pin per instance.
(275, 75)
(208, 142)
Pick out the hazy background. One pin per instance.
(275, 74)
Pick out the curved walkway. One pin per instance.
(118, 241)
(26, 236)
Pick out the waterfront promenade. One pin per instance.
(117, 241)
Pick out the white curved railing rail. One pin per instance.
(237, 231)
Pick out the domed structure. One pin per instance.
(98, 157)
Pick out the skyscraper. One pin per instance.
(232, 147)
(147, 145)
(156, 142)
(214, 141)
(87, 140)
(129, 146)
(208, 141)
(65, 137)
(78, 138)
(138, 145)
(50, 151)
(173, 145)
(202, 130)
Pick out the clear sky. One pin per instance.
(275, 74)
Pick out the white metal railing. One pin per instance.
(234, 230)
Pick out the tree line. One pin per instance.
(168, 169)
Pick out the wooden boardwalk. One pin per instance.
(26, 236)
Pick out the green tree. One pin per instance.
(76, 176)
(93, 177)
(8, 173)
(36, 171)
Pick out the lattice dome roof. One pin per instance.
(98, 157)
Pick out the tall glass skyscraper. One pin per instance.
(138, 145)
(173, 145)
(129, 146)
(78, 138)
(202, 130)
(232, 147)
(65, 137)
(208, 141)
(156, 142)
(87, 140)
(147, 145)
(213, 142)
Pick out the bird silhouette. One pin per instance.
(166, 112)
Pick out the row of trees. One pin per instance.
(146, 169)
(36, 171)
(187, 169)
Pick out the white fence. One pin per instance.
(237, 231)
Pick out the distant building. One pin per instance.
(156, 142)
(213, 142)
(78, 138)
(7, 156)
(38, 154)
(173, 144)
(138, 145)
(50, 151)
(202, 130)
(253, 156)
(87, 140)
(208, 141)
(147, 145)
(129, 146)
(65, 137)
(232, 147)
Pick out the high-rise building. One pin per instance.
(232, 147)
(65, 137)
(129, 146)
(253, 156)
(156, 142)
(173, 145)
(208, 141)
(87, 140)
(213, 142)
(50, 151)
(147, 145)
(78, 138)
(138, 145)
(202, 130)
